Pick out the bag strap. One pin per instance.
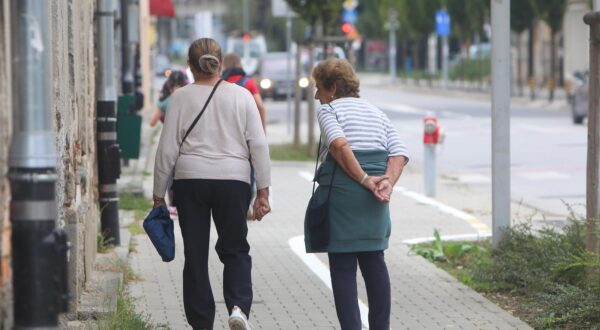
(317, 162)
(201, 112)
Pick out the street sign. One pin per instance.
(349, 16)
(442, 23)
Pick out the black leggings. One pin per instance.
(377, 280)
(228, 201)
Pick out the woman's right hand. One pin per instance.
(261, 204)
(158, 201)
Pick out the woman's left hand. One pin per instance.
(372, 183)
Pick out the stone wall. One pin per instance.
(5, 134)
(73, 77)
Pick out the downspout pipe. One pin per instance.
(109, 154)
(129, 40)
(40, 250)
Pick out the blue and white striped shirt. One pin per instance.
(364, 126)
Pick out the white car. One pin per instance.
(249, 50)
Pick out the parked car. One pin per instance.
(578, 96)
(273, 78)
(250, 51)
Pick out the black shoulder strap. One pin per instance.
(201, 112)
(317, 162)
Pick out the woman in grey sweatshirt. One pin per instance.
(210, 172)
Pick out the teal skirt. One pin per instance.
(358, 222)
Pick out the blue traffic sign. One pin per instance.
(349, 16)
(442, 23)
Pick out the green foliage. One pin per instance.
(568, 306)
(127, 318)
(444, 251)
(550, 276)
(551, 11)
(522, 15)
(528, 260)
(128, 201)
(473, 69)
(312, 11)
(287, 152)
(104, 245)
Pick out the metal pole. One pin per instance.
(108, 150)
(39, 260)
(129, 39)
(297, 101)
(245, 28)
(126, 63)
(445, 55)
(292, 82)
(429, 164)
(393, 23)
(593, 155)
(500, 119)
(311, 103)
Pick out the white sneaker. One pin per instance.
(238, 320)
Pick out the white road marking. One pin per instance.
(307, 176)
(322, 271)
(482, 229)
(403, 108)
(542, 175)
(473, 178)
(446, 238)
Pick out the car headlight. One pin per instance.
(265, 84)
(303, 82)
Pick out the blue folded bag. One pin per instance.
(159, 227)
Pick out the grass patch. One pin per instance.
(135, 228)
(472, 69)
(129, 201)
(104, 245)
(289, 153)
(546, 277)
(127, 318)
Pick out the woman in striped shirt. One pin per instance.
(362, 142)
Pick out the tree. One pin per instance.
(551, 12)
(325, 12)
(522, 17)
(461, 25)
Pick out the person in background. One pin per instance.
(234, 73)
(175, 80)
(369, 156)
(211, 176)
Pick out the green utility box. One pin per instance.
(129, 128)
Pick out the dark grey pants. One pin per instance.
(377, 281)
(227, 201)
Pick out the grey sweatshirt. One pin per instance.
(228, 134)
